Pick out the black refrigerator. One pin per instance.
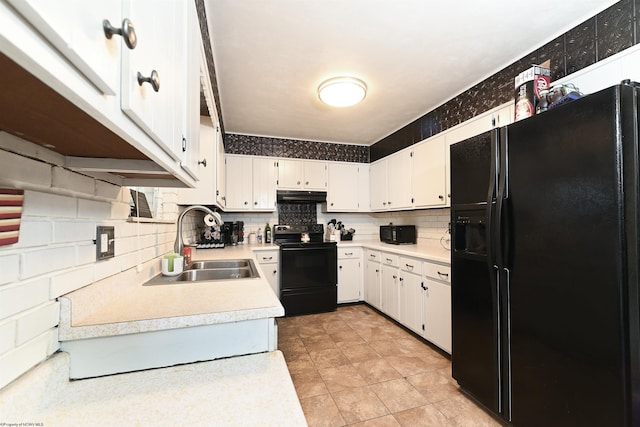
(545, 234)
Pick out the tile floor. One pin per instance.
(356, 367)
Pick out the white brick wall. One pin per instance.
(56, 254)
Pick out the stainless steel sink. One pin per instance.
(216, 274)
(210, 270)
(222, 263)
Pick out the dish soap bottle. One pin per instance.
(267, 234)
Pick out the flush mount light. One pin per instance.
(342, 91)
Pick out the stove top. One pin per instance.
(293, 234)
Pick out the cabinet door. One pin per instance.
(188, 82)
(204, 193)
(290, 173)
(390, 303)
(75, 28)
(411, 301)
(343, 190)
(399, 180)
(155, 22)
(221, 168)
(437, 313)
(239, 182)
(378, 185)
(363, 188)
(315, 176)
(269, 263)
(264, 183)
(429, 173)
(372, 284)
(349, 280)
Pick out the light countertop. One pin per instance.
(254, 390)
(429, 252)
(124, 307)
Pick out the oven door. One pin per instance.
(308, 278)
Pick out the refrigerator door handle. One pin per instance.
(491, 197)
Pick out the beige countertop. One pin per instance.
(429, 252)
(254, 390)
(125, 307)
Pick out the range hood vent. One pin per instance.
(297, 196)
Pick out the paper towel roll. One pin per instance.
(209, 220)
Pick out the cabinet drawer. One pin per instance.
(372, 255)
(346, 253)
(267, 257)
(438, 271)
(412, 265)
(389, 259)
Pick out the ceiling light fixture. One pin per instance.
(342, 91)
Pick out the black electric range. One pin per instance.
(308, 269)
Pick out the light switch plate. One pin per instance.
(105, 242)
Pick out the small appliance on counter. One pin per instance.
(398, 234)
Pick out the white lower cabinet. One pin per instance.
(437, 305)
(411, 310)
(349, 275)
(389, 289)
(373, 277)
(268, 261)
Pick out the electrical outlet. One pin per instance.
(105, 242)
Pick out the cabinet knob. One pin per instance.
(246, 203)
(153, 80)
(332, 204)
(441, 197)
(340, 267)
(203, 162)
(255, 203)
(402, 279)
(298, 182)
(128, 32)
(306, 183)
(275, 271)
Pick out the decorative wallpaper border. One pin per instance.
(609, 32)
(280, 147)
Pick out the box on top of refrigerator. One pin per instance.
(528, 85)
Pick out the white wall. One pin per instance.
(56, 254)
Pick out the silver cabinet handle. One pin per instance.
(203, 162)
(153, 80)
(128, 32)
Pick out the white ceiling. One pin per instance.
(414, 55)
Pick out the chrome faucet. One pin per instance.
(179, 245)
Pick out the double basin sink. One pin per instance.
(202, 271)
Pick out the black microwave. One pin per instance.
(398, 234)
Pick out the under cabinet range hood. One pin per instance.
(301, 196)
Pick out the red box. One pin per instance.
(528, 85)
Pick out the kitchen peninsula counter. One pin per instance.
(240, 391)
(125, 307)
(121, 325)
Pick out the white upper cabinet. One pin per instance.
(205, 191)
(189, 92)
(151, 72)
(221, 170)
(429, 173)
(348, 188)
(378, 193)
(295, 174)
(399, 180)
(265, 174)
(251, 183)
(75, 28)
